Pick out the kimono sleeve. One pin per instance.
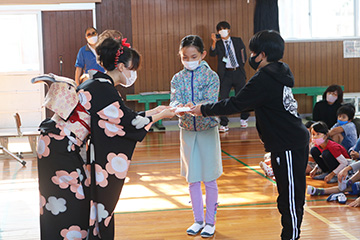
(117, 119)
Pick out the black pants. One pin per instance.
(289, 170)
(232, 79)
(326, 161)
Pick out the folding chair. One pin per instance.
(13, 155)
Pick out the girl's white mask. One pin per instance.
(191, 65)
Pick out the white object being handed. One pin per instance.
(182, 109)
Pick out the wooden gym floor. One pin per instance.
(155, 204)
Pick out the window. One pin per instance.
(19, 44)
(319, 19)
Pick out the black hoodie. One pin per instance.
(269, 93)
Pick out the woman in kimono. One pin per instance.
(78, 198)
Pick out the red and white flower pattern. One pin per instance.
(112, 113)
(42, 204)
(43, 146)
(73, 233)
(111, 129)
(84, 98)
(101, 176)
(117, 164)
(64, 179)
(110, 120)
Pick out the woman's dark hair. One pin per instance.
(334, 88)
(222, 25)
(347, 109)
(270, 42)
(107, 50)
(192, 40)
(320, 127)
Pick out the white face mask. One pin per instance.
(331, 98)
(92, 40)
(224, 33)
(131, 80)
(191, 65)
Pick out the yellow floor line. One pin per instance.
(336, 227)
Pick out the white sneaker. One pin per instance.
(343, 184)
(223, 128)
(340, 197)
(243, 123)
(311, 190)
(195, 228)
(267, 169)
(208, 231)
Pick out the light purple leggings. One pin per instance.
(211, 189)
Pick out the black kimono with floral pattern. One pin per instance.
(77, 197)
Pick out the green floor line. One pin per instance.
(246, 165)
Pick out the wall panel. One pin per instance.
(63, 36)
(116, 14)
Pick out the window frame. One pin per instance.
(322, 39)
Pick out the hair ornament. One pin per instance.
(124, 43)
(117, 55)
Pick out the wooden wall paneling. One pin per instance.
(311, 59)
(324, 70)
(330, 63)
(115, 14)
(145, 52)
(207, 27)
(345, 80)
(339, 56)
(212, 18)
(334, 51)
(248, 13)
(64, 44)
(61, 38)
(352, 73)
(355, 71)
(166, 48)
(170, 37)
(137, 21)
(155, 76)
(317, 70)
(300, 76)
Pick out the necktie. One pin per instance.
(231, 54)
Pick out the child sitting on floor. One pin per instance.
(348, 182)
(344, 131)
(330, 156)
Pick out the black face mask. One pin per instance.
(252, 62)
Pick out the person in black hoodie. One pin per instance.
(279, 125)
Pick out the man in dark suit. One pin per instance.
(231, 60)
